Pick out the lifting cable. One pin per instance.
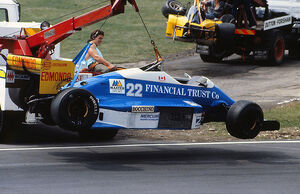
(97, 4)
(157, 54)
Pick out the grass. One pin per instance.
(288, 115)
(125, 40)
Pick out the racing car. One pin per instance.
(148, 98)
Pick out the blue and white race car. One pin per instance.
(147, 98)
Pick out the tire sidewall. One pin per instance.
(168, 9)
(275, 37)
(240, 118)
(63, 101)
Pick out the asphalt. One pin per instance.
(240, 167)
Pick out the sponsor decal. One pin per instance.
(277, 22)
(134, 90)
(83, 76)
(149, 117)
(2, 74)
(49, 33)
(47, 65)
(55, 76)
(181, 91)
(22, 77)
(117, 86)
(162, 78)
(141, 109)
(198, 121)
(10, 76)
(19, 62)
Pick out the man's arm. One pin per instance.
(93, 53)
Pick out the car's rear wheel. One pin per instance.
(74, 109)
(244, 120)
(173, 7)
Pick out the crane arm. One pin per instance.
(45, 40)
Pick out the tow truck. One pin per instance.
(276, 30)
(29, 60)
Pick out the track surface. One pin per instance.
(152, 168)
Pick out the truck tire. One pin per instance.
(100, 134)
(216, 54)
(244, 120)
(74, 109)
(173, 7)
(276, 48)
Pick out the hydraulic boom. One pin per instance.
(40, 44)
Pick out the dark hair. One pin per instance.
(94, 34)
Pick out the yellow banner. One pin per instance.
(55, 74)
(31, 64)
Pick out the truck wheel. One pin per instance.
(276, 48)
(100, 134)
(216, 54)
(20, 95)
(244, 119)
(210, 58)
(173, 7)
(74, 109)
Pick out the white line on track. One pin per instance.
(141, 145)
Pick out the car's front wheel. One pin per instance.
(244, 119)
(74, 109)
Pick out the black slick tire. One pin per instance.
(173, 7)
(244, 119)
(74, 109)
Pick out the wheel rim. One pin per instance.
(175, 6)
(279, 49)
(253, 126)
(77, 108)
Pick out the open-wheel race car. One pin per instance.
(146, 98)
(58, 92)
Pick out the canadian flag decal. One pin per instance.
(162, 78)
